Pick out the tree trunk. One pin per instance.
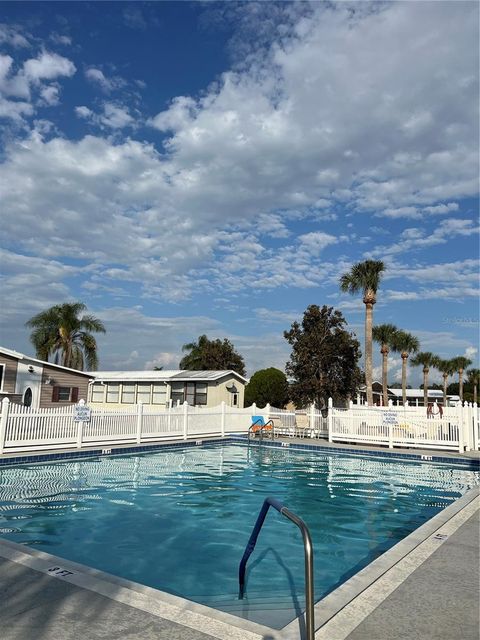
(425, 386)
(404, 378)
(368, 351)
(475, 392)
(460, 384)
(445, 377)
(385, 374)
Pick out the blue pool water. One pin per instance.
(179, 519)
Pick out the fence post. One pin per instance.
(139, 422)
(254, 408)
(475, 427)
(185, 420)
(330, 419)
(80, 425)
(267, 409)
(468, 426)
(312, 419)
(390, 434)
(222, 422)
(460, 426)
(4, 422)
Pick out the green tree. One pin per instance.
(267, 386)
(405, 343)
(384, 334)
(473, 379)
(446, 368)
(324, 358)
(365, 276)
(213, 355)
(426, 360)
(460, 363)
(60, 333)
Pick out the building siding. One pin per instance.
(61, 378)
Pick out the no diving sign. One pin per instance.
(82, 413)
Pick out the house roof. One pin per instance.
(416, 393)
(22, 356)
(162, 376)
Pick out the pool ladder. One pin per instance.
(261, 428)
(308, 550)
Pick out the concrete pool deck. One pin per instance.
(430, 593)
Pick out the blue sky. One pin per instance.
(188, 168)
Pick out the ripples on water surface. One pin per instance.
(178, 520)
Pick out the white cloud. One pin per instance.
(13, 35)
(20, 83)
(48, 66)
(112, 116)
(59, 38)
(415, 238)
(96, 76)
(50, 95)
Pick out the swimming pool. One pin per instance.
(178, 519)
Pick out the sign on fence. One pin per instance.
(82, 413)
(389, 417)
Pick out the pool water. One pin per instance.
(179, 519)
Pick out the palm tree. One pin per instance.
(405, 343)
(461, 363)
(365, 276)
(446, 368)
(473, 379)
(383, 334)
(60, 332)
(427, 360)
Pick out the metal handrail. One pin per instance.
(262, 427)
(307, 543)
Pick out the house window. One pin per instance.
(196, 393)
(234, 399)
(159, 393)
(2, 374)
(98, 391)
(128, 394)
(64, 394)
(113, 392)
(143, 393)
(178, 393)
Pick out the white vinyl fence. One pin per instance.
(450, 428)
(27, 429)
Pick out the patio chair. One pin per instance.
(284, 424)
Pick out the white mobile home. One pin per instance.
(166, 388)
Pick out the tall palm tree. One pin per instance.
(446, 368)
(365, 276)
(59, 332)
(473, 379)
(461, 363)
(383, 334)
(405, 343)
(427, 360)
